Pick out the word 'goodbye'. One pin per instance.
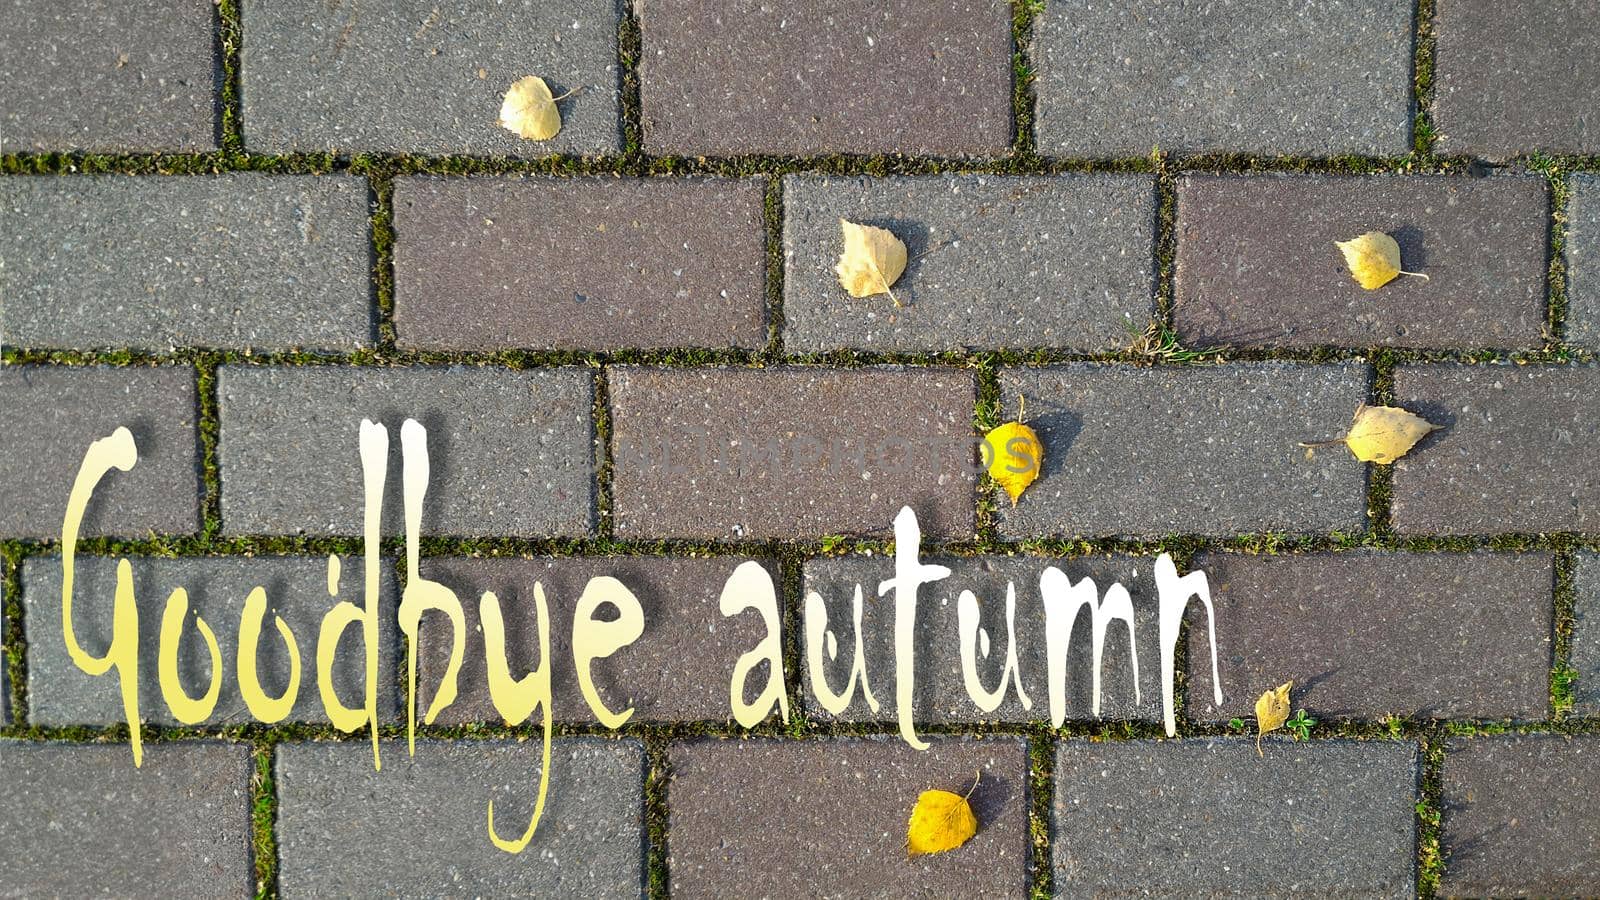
(516, 699)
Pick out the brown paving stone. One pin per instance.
(852, 447)
(579, 263)
(1519, 816)
(1257, 265)
(1512, 453)
(941, 694)
(1515, 76)
(55, 412)
(1583, 262)
(679, 670)
(758, 818)
(826, 76)
(1369, 634)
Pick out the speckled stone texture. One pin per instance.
(109, 77)
(1519, 816)
(1511, 453)
(79, 820)
(826, 76)
(1366, 635)
(676, 672)
(1257, 265)
(1208, 817)
(1513, 76)
(940, 694)
(338, 819)
(764, 818)
(1583, 262)
(413, 76)
(55, 412)
(1118, 78)
(1210, 450)
(1064, 262)
(579, 264)
(231, 261)
(1585, 656)
(511, 452)
(59, 693)
(791, 452)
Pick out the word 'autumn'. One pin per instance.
(749, 588)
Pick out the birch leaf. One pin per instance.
(1374, 259)
(529, 109)
(940, 821)
(873, 259)
(1015, 455)
(1272, 710)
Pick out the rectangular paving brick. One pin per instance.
(1117, 78)
(941, 694)
(108, 77)
(1368, 634)
(337, 819)
(1519, 817)
(1257, 265)
(1207, 450)
(1508, 78)
(1509, 456)
(53, 414)
(414, 76)
(1583, 262)
(769, 453)
(1585, 649)
(78, 819)
(579, 263)
(678, 671)
(826, 76)
(511, 452)
(229, 261)
(1063, 261)
(62, 694)
(765, 818)
(1209, 817)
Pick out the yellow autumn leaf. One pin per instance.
(1272, 710)
(1374, 259)
(530, 110)
(873, 259)
(1015, 456)
(940, 821)
(1380, 434)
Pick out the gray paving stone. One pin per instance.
(789, 452)
(765, 818)
(1519, 817)
(1509, 456)
(1257, 265)
(79, 820)
(1365, 634)
(1585, 650)
(827, 76)
(55, 412)
(337, 819)
(1117, 78)
(511, 452)
(579, 263)
(678, 671)
(417, 77)
(230, 261)
(1207, 450)
(107, 77)
(1508, 78)
(62, 694)
(1064, 262)
(1583, 262)
(941, 695)
(1209, 817)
